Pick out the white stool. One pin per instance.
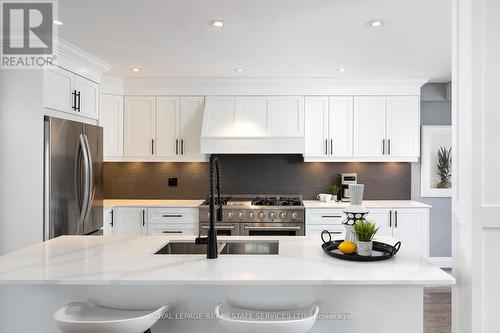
(237, 320)
(88, 317)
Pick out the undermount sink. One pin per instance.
(226, 247)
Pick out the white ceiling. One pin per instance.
(269, 38)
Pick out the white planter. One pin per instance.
(365, 248)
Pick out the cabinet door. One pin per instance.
(111, 119)
(191, 122)
(88, 100)
(138, 126)
(129, 221)
(167, 127)
(382, 218)
(57, 90)
(341, 127)
(316, 126)
(337, 232)
(369, 126)
(408, 226)
(403, 126)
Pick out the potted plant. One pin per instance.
(334, 190)
(364, 232)
(444, 167)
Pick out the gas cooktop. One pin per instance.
(259, 200)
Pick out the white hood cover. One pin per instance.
(253, 125)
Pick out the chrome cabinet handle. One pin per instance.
(73, 107)
(176, 146)
(331, 146)
(152, 146)
(78, 108)
(396, 218)
(389, 147)
(172, 231)
(182, 146)
(390, 218)
(112, 223)
(171, 215)
(326, 146)
(218, 227)
(383, 146)
(331, 216)
(143, 217)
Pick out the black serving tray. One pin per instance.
(381, 251)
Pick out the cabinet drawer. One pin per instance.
(166, 229)
(325, 216)
(172, 215)
(337, 231)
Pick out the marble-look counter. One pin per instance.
(368, 204)
(109, 203)
(117, 260)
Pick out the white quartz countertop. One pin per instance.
(367, 204)
(108, 203)
(99, 260)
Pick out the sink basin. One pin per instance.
(226, 247)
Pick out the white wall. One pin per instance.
(21, 159)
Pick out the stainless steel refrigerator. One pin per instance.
(72, 178)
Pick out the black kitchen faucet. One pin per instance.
(215, 208)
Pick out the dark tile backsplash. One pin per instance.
(283, 174)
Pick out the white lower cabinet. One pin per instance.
(409, 225)
(128, 221)
(151, 221)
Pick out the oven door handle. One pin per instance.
(271, 228)
(231, 227)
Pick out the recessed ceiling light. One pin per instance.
(375, 23)
(239, 70)
(341, 70)
(57, 22)
(217, 23)
(135, 69)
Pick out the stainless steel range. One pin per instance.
(261, 215)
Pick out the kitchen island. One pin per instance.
(124, 272)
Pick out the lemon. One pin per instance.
(347, 247)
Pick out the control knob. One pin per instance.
(282, 215)
(272, 215)
(262, 215)
(294, 215)
(230, 215)
(241, 215)
(251, 215)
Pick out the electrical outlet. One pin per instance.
(172, 181)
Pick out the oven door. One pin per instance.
(223, 229)
(272, 229)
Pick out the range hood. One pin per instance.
(253, 125)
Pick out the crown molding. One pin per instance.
(82, 57)
(273, 86)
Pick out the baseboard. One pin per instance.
(443, 262)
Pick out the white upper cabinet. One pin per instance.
(111, 119)
(163, 128)
(67, 92)
(58, 89)
(403, 126)
(87, 97)
(369, 126)
(168, 110)
(316, 126)
(341, 126)
(190, 126)
(139, 126)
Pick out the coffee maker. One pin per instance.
(346, 179)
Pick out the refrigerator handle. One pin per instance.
(86, 190)
(89, 179)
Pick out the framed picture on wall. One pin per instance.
(435, 169)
